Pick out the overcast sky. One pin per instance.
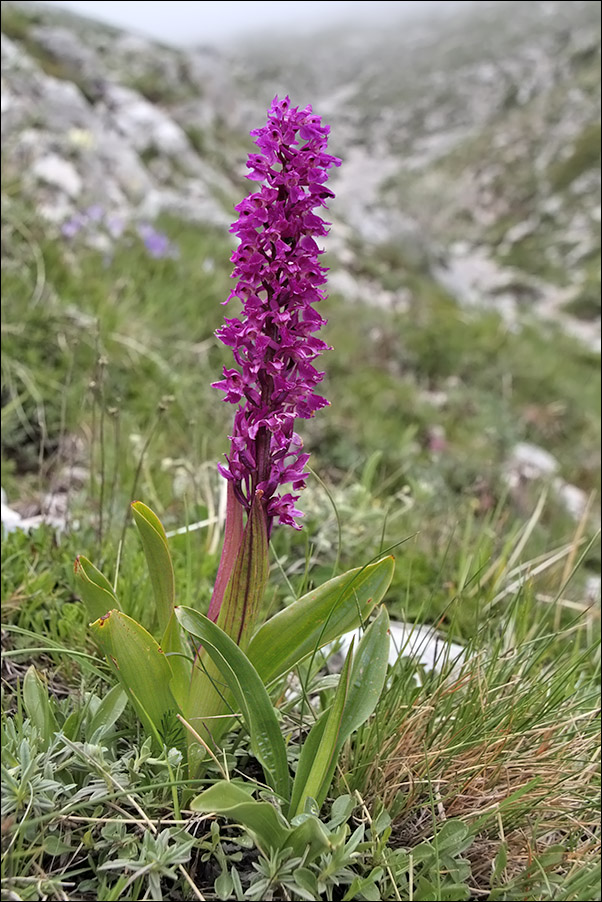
(218, 21)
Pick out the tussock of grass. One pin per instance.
(507, 742)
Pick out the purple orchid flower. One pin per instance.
(278, 282)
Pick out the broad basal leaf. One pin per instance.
(158, 559)
(318, 618)
(95, 590)
(144, 673)
(360, 686)
(261, 819)
(249, 695)
(180, 656)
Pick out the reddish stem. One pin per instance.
(232, 539)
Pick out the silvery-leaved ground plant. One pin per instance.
(191, 677)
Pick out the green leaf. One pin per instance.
(311, 836)
(72, 725)
(95, 590)
(341, 810)
(179, 654)
(223, 886)
(107, 714)
(317, 760)
(54, 845)
(366, 886)
(260, 818)
(158, 559)
(368, 675)
(250, 695)
(262, 821)
(453, 838)
(357, 695)
(308, 881)
(425, 891)
(38, 706)
(452, 892)
(144, 673)
(318, 618)
(500, 863)
(380, 823)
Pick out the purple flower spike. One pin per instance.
(279, 277)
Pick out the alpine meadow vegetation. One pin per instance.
(174, 723)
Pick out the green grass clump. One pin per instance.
(154, 87)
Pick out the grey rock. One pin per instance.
(144, 125)
(12, 520)
(529, 461)
(66, 46)
(196, 205)
(423, 644)
(572, 498)
(60, 173)
(593, 586)
(62, 106)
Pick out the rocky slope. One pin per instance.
(471, 142)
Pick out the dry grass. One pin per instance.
(510, 750)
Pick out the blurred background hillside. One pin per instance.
(464, 303)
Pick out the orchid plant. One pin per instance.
(191, 677)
